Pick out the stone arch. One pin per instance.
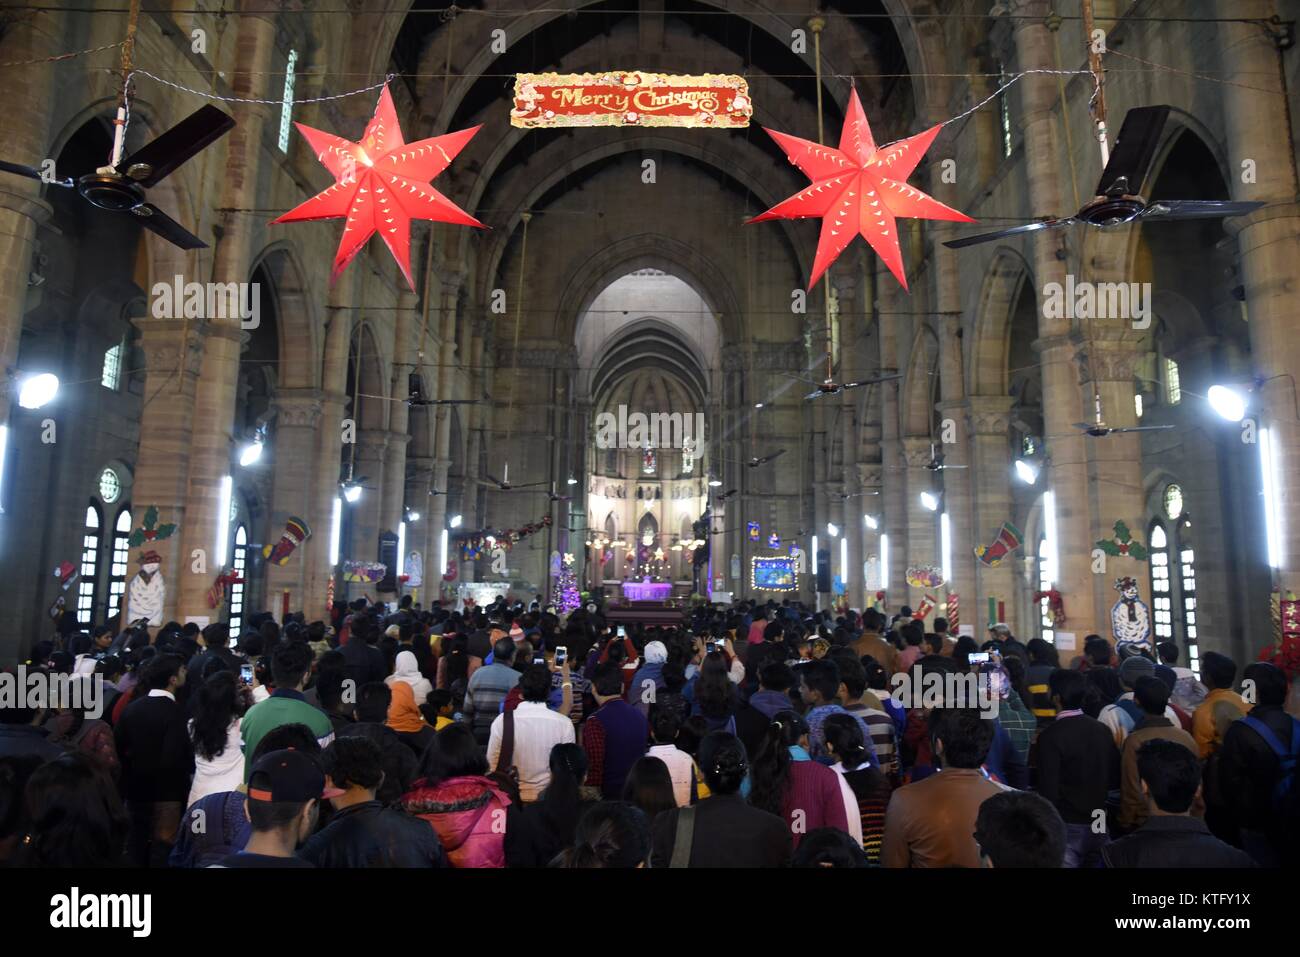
(921, 388)
(990, 346)
(295, 312)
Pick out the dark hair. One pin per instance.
(535, 683)
(217, 634)
(665, 723)
(692, 732)
(877, 678)
(160, 670)
(290, 661)
(353, 761)
(935, 641)
(771, 769)
(453, 753)
(1070, 686)
(1151, 694)
(607, 680)
(503, 651)
(331, 672)
(457, 657)
(612, 834)
(1218, 670)
(966, 736)
(649, 786)
(273, 815)
(373, 700)
(844, 734)
(1168, 651)
(15, 771)
(214, 709)
(287, 737)
(1097, 650)
(561, 802)
(1042, 652)
(1020, 829)
(715, 693)
(822, 676)
(1171, 772)
(1104, 687)
(913, 633)
(852, 675)
(829, 847)
(77, 818)
(1269, 682)
(723, 762)
(776, 675)
(674, 676)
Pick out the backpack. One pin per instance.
(1285, 793)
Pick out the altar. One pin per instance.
(646, 590)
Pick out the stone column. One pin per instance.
(449, 296)
(988, 418)
(293, 453)
(214, 405)
(394, 488)
(922, 524)
(893, 498)
(1268, 241)
(1062, 406)
(368, 512)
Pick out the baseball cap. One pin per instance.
(288, 776)
(656, 652)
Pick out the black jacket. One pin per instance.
(153, 744)
(728, 833)
(363, 663)
(1165, 841)
(1078, 764)
(400, 763)
(371, 835)
(1249, 769)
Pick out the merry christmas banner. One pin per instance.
(630, 98)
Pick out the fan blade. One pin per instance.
(451, 402)
(156, 221)
(492, 478)
(952, 467)
(1145, 428)
(187, 138)
(18, 169)
(529, 485)
(1084, 425)
(822, 392)
(1134, 149)
(1014, 230)
(883, 378)
(1195, 209)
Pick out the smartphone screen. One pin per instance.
(246, 674)
(539, 659)
(978, 657)
(561, 655)
(622, 633)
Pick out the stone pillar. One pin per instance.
(214, 405)
(394, 488)
(448, 304)
(293, 454)
(26, 127)
(1268, 241)
(1067, 475)
(988, 418)
(922, 524)
(368, 511)
(893, 498)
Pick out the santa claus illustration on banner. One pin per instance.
(147, 591)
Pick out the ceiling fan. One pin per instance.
(723, 496)
(936, 463)
(1119, 198)
(756, 461)
(829, 387)
(1099, 429)
(415, 394)
(120, 186)
(504, 484)
(845, 496)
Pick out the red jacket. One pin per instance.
(469, 816)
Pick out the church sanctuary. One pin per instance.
(576, 434)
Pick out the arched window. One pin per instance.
(1162, 596)
(91, 537)
(1046, 621)
(1187, 591)
(118, 561)
(239, 565)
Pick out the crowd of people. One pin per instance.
(755, 735)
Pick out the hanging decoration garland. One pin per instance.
(473, 543)
(381, 183)
(924, 576)
(858, 190)
(1055, 605)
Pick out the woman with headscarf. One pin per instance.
(407, 670)
(404, 717)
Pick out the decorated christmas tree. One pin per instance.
(566, 596)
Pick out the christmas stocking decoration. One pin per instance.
(217, 593)
(295, 533)
(1008, 540)
(926, 606)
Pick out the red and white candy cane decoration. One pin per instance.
(954, 618)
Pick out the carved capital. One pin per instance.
(871, 475)
(989, 414)
(918, 451)
(298, 408)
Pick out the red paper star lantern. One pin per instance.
(381, 184)
(858, 189)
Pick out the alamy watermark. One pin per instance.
(655, 430)
(1129, 301)
(933, 690)
(224, 301)
(39, 690)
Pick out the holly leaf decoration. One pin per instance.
(1121, 531)
(136, 539)
(1109, 547)
(165, 531)
(151, 516)
(1138, 550)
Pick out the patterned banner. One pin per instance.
(630, 98)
